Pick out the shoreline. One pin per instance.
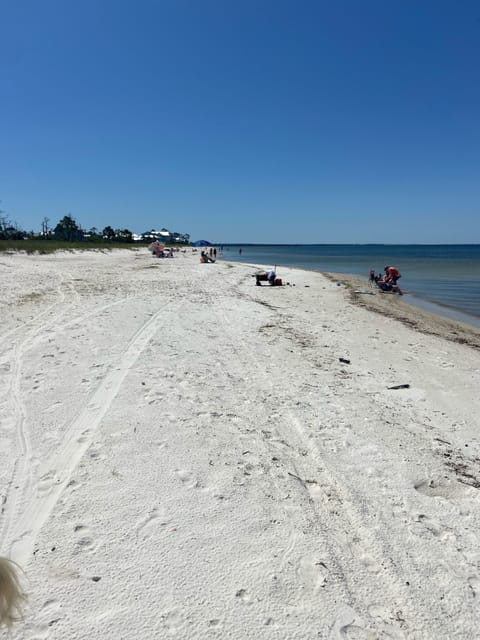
(442, 310)
(449, 295)
(422, 320)
(406, 312)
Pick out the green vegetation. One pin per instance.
(68, 235)
(41, 246)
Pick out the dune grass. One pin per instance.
(50, 246)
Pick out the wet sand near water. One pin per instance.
(393, 306)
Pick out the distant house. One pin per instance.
(151, 236)
(165, 236)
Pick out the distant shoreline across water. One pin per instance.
(444, 279)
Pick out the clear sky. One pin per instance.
(249, 121)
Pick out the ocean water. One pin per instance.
(442, 278)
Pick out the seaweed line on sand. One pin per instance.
(409, 315)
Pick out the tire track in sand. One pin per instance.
(37, 329)
(56, 472)
(342, 564)
(21, 472)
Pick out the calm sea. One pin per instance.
(442, 278)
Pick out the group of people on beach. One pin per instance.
(387, 281)
(160, 251)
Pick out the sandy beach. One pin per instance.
(184, 454)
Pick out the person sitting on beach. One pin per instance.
(269, 276)
(205, 258)
(385, 285)
(392, 274)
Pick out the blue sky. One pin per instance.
(252, 121)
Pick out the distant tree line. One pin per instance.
(68, 230)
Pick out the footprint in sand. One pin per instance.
(172, 621)
(153, 397)
(312, 573)
(474, 584)
(243, 596)
(349, 626)
(386, 622)
(447, 365)
(187, 478)
(96, 455)
(152, 525)
(51, 605)
(84, 540)
(215, 623)
(443, 488)
(84, 436)
(50, 613)
(46, 482)
(73, 485)
(424, 525)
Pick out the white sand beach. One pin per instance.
(183, 454)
